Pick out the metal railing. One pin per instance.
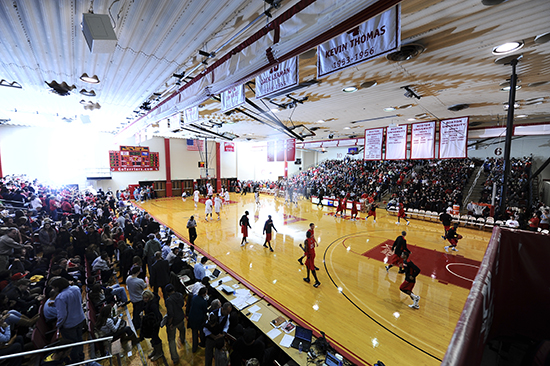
(474, 184)
(55, 348)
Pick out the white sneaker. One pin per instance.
(397, 223)
(416, 299)
(242, 244)
(454, 249)
(414, 306)
(375, 221)
(408, 222)
(447, 249)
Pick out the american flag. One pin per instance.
(194, 145)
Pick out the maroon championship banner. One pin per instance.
(290, 150)
(133, 159)
(374, 38)
(508, 298)
(373, 144)
(453, 138)
(423, 140)
(396, 142)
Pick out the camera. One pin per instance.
(331, 136)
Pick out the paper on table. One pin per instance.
(236, 285)
(226, 279)
(242, 292)
(287, 340)
(239, 302)
(256, 317)
(254, 308)
(274, 333)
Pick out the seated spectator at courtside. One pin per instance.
(199, 270)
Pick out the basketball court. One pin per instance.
(358, 305)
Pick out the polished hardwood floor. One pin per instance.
(358, 305)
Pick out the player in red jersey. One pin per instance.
(401, 214)
(354, 210)
(309, 251)
(372, 211)
(399, 246)
(340, 207)
(411, 271)
(453, 237)
(311, 230)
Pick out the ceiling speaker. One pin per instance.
(99, 33)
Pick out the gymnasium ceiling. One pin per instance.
(42, 41)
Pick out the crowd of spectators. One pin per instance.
(60, 246)
(520, 170)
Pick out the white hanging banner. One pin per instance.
(233, 97)
(396, 142)
(373, 144)
(374, 38)
(423, 140)
(191, 115)
(453, 138)
(278, 78)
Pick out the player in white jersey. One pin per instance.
(226, 197)
(218, 205)
(196, 196)
(208, 208)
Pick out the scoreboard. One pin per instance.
(133, 159)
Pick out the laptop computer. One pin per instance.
(303, 336)
(215, 274)
(331, 360)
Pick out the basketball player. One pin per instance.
(445, 219)
(354, 210)
(257, 196)
(217, 205)
(208, 208)
(411, 271)
(311, 229)
(267, 231)
(196, 197)
(399, 246)
(401, 214)
(309, 251)
(340, 208)
(372, 211)
(245, 224)
(453, 238)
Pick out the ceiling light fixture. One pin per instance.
(538, 83)
(349, 89)
(13, 84)
(542, 38)
(321, 121)
(89, 79)
(87, 93)
(389, 109)
(507, 88)
(492, 2)
(404, 106)
(531, 101)
(346, 128)
(521, 116)
(507, 47)
(369, 84)
(411, 119)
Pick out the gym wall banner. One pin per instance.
(232, 98)
(396, 142)
(423, 140)
(278, 78)
(453, 138)
(191, 114)
(373, 144)
(374, 38)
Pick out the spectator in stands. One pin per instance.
(172, 255)
(69, 315)
(534, 221)
(136, 286)
(112, 326)
(10, 344)
(23, 301)
(174, 320)
(50, 312)
(181, 267)
(8, 242)
(151, 323)
(125, 262)
(107, 241)
(196, 317)
(160, 274)
(199, 270)
(102, 264)
(151, 247)
(544, 219)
